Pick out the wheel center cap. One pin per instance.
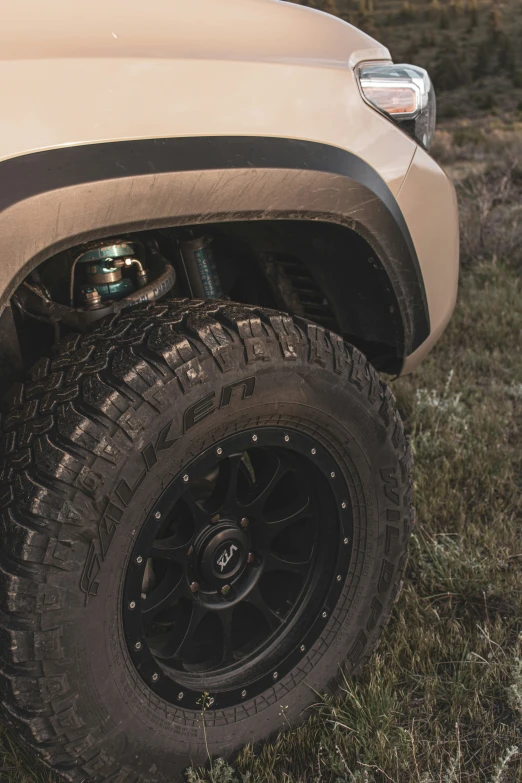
(222, 554)
(227, 558)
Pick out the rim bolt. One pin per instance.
(251, 558)
(219, 451)
(339, 577)
(139, 560)
(137, 646)
(254, 438)
(194, 587)
(343, 504)
(314, 451)
(132, 605)
(346, 541)
(324, 615)
(275, 675)
(155, 677)
(243, 694)
(332, 474)
(244, 522)
(302, 648)
(158, 514)
(180, 695)
(185, 478)
(287, 438)
(225, 590)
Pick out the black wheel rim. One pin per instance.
(238, 567)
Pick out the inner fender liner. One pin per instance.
(55, 199)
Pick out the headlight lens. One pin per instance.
(404, 93)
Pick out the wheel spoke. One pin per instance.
(225, 618)
(274, 562)
(225, 493)
(271, 617)
(265, 490)
(176, 643)
(170, 549)
(279, 520)
(198, 514)
(162, 596)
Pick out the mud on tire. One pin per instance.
(92, 444)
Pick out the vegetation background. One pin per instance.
(441, 701)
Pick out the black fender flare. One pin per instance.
(55, 199)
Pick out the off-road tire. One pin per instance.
(87, 444)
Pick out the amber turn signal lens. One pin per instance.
(393, 100)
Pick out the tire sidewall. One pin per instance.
(296, 397)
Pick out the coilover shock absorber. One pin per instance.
(103, 273)
(200, 267)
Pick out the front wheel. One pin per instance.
(206, 509)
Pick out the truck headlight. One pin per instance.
(404, 93)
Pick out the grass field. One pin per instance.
(441, 701)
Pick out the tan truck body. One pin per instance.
(91, 73)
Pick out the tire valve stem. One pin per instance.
(251, 558)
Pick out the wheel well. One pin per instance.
(324, 272)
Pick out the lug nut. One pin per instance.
(254, 438)
(139, 560)
(343, 504)
(158, 514)
(219, 451)
(339, 577)
(155, 677)
(275, 675)
(346, 541)
(324, 615)
(251, 558)
(185, 478)
(137, 646)
(132, 605)
(314, 451)
(332, 474)
(244, 522)
(302, 648)
(225, 590)
(180, 695)
(287, 438)
(243, 694)
(194, 587)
